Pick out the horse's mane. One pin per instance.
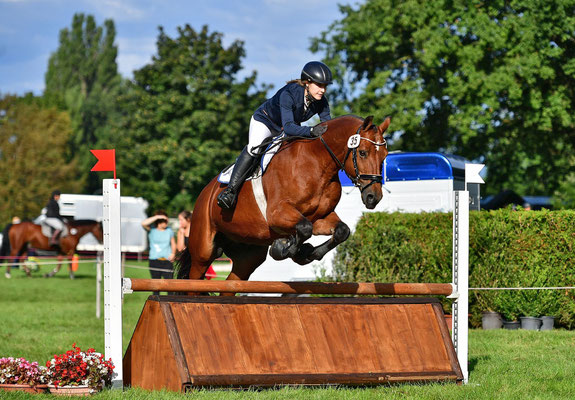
(81, 222)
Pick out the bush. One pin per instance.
(507, 249)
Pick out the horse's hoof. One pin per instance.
(279, 249)
(72, 276)
(7, 275)
(302, 257)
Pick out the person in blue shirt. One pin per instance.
(162, 246)
(296, 102)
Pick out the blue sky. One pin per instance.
(276, 33)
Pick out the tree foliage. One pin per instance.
(82, 78)
(491, 81)
(186, 117)
(33, 153)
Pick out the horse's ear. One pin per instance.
(367, 122)
(384, 125)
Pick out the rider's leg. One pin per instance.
(54, 238)
(243, 167)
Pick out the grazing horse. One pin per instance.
(17, 238)
(302, 188)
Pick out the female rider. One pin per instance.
(296, 102)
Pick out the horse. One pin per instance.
(17, 237)
(302, 188)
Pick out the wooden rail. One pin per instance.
(350, 288)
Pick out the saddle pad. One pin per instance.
(270, 151)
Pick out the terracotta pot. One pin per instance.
(13, 387)
(82, 390)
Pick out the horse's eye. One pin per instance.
(363, 153)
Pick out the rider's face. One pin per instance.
(316, 90)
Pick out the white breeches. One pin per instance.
(54, 223)
(258, 132)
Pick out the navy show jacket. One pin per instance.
(286, 110)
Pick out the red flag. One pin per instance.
(106, 160)
(210, 273)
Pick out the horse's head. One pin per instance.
(367, 149)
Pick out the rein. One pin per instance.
(358, 177)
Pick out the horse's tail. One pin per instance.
(183, 264)
(5, 249)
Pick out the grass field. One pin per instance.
(41, 317)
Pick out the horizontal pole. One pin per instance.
(231, 286)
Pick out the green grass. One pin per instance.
(41, 317)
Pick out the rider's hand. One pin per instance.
(317, 130)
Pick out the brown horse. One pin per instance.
(302, 188)
(17, 238)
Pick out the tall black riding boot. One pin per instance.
(243, 167)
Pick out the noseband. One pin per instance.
(356, 179)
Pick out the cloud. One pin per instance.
(134, 53)
(118, 10)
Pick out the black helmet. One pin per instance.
(56, 193)
(317, 72)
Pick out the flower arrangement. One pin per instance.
(19, 371)
(76, 367)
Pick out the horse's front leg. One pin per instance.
(286, 219)
(331, 225)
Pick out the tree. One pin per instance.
(186, 117)
(491, 81)
(33, 150)
(83, 79)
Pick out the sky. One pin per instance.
(276, 33)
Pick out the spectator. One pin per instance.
(183, 235)
(183, 231)
(162, 246)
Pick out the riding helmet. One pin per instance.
(317, 72)
(56, 193)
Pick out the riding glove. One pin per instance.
(317, 130)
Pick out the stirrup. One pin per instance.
(227, 198)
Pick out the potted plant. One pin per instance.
(22, 375)
(79, 372)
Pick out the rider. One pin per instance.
(53, 217)
(296, 102)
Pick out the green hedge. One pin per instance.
(507, 249)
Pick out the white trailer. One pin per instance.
(133, 212)
(413, 182)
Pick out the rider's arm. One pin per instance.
(287, 104)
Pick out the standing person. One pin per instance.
(296, 102)
(162, 246)
(53, 217)
(184, 219)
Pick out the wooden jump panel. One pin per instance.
(363, 288)
(183, 342)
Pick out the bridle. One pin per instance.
(353, 151)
